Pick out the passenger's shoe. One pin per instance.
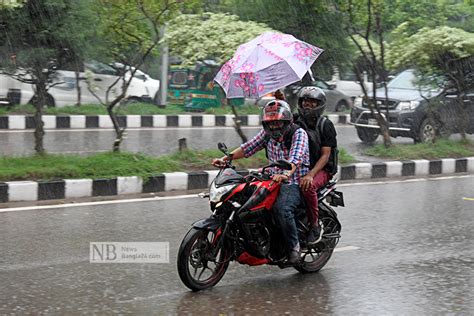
(315, 235)
(293, 257)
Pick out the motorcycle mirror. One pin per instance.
(222, 147)
(283, 164)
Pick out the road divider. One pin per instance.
(20, 122)
(182, 181)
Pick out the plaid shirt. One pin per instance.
(297, 155)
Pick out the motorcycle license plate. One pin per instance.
(372, 121)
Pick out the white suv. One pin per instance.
(142, 87)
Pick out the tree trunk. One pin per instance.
(78, 88)
(39, 125)
(119, 132)
(237, 127)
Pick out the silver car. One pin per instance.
(336, 100)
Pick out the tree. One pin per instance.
(316, 22)
(195, 37)
(443, 52)
(366, 30)
(130, 31)
(37, 40)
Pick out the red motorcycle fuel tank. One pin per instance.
(272, 188)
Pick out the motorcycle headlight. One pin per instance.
(407, 105)
(358, 102)
(215, 194)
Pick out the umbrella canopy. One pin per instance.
(265, 64)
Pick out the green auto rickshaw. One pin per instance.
(194, 88)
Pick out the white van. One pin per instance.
(142, 87)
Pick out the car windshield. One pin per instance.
(408, 80)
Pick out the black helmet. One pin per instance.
(276, 119)
(313, 93)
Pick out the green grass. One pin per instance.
(441, 149)
(96, 109)
(241, 110)
(109, 165)
(131, 109)
(344, 157)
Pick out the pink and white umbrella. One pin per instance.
(265, 64)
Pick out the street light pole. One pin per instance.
(162, 102)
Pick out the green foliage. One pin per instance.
(428, 13)
(10, 4)
(38, 36)
(344, 157)
(109, 165)
(196, 37)
(441, 149)
(315, 22)
(130, 109)
(425, 47)
(130, 28)
(242, 110)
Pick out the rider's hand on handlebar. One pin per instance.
(219, 162)
(279, 178)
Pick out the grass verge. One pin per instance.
(443, 148)
(130, 109)
(109, 165)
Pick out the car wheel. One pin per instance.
(427, 132)
(342, 106)
(367, 135)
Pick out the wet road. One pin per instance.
(154, 142)
(415, 257)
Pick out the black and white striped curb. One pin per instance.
(19, 122)
(64, 189)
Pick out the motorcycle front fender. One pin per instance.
(207, 223)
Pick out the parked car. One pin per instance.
(142, 87)
(409, 105)
(336, 100)
(348, 84)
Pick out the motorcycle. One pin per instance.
(242, 228)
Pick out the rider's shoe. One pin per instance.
(293, 257)
(315, 235)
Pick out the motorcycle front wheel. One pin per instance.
(200, 264)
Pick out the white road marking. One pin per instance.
(42, 207)
(346, 248)
(468, 199)
(188, 196)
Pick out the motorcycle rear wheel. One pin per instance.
(314, 259)
(194, 257)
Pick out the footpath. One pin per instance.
(178, 181)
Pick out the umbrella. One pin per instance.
(265, 64)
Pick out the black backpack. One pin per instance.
(314, 138)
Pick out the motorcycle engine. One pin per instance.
(257, 239)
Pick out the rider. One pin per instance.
(311, 105)
(277, 120)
